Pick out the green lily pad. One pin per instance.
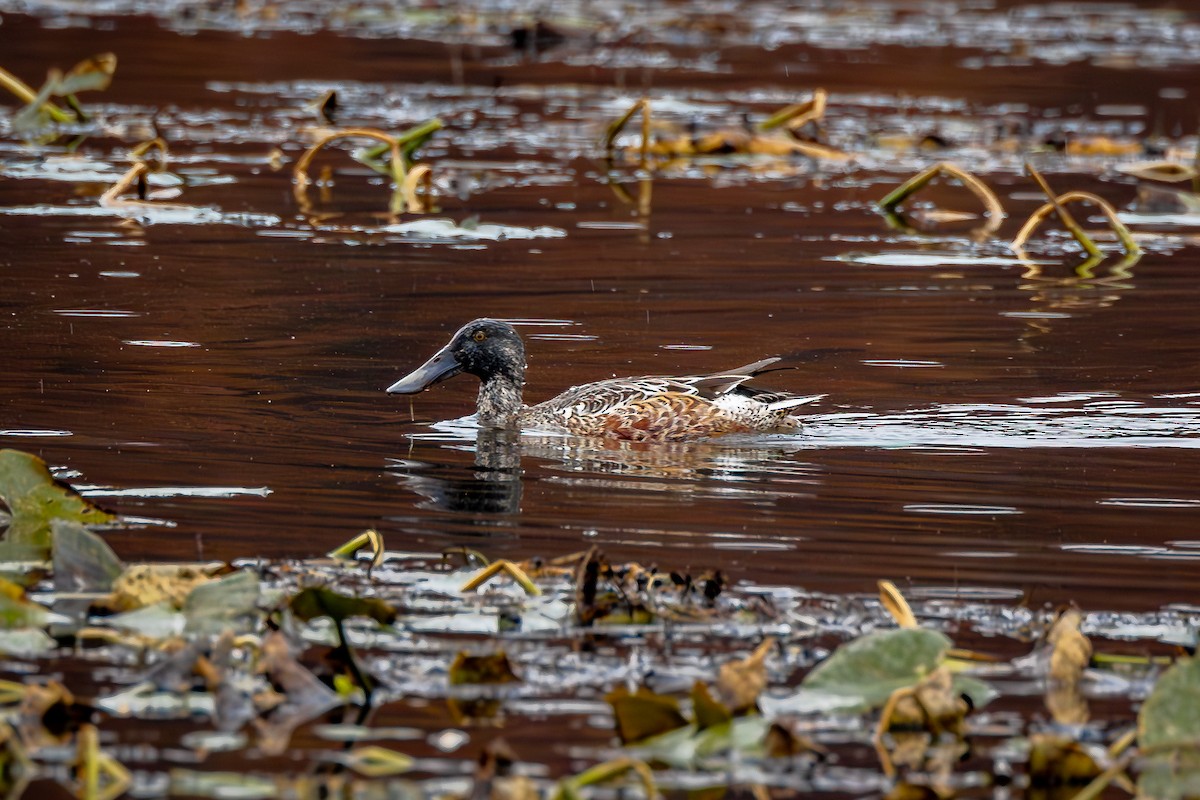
(313, 603)
(862, 674)
(1168, 730)
(211, 607)
(34, 498)
(83, 562)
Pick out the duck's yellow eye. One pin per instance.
(479, 336)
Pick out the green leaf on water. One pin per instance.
(17, 611)
(211, 607)
(312, 603)
(90, 75)
(1168, 733)
(25, 642)
(862, 674)
(83, 562)
(34, 498)
(1170, 717)
(643, 713)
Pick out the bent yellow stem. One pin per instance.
(25, 93)
(1058, 205)
(991, 203)
(797, 115)
(494, 569)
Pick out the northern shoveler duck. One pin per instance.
(643, 409)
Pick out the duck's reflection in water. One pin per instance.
(492, 486)
(761, 467)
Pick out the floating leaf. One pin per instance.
(1168, 731)
(224, 785)
(643, 713)
(83, 562)
(216, 605)
(17, 612)
(707, 710)
(490, 668)
(1168, 171)
(147, 584)
(741, 682)
(90, 75)
(862, 674)
(312, 603)
(34, 498)
(25, 642)
(377, 762)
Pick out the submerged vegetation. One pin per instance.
(688, 681)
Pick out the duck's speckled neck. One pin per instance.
(499, 402)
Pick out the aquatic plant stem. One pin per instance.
(23, 92)
(995, 210)
(1068, 221)
(1058, 204)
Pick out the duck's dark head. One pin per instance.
(486, 348)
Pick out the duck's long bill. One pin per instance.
(443, 365)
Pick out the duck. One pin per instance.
(646, 408)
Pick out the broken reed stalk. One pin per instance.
(1058, 204)
(615, 128)
(977, 187)
(25, 93)
(1064, 216)
(798, 114)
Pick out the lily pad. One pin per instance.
(83, 562)
(214, 606)
(862, 674)
(313, 603)
(34, 498)
(1168, 729)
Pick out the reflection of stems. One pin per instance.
(22, 90)
(977, 187)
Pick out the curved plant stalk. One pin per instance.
(991, 203)
(101, 777)
(895, 604)
(797, 115)
(369, 537)
(25, 93)
(129, 180)
(1058, 204)
(136, 174)
(398, 170)
(420, 175)
(494, 569)
(157, 143)
(615, 128)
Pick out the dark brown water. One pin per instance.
(988, 426)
